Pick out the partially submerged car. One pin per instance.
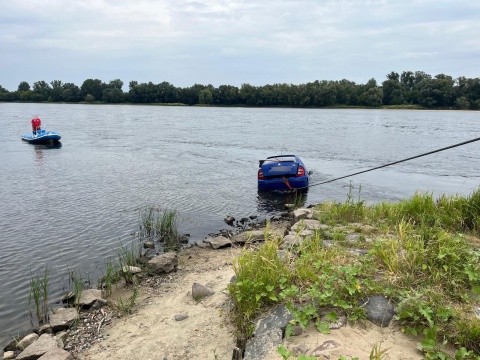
(282, 172)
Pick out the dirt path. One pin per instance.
(152, 333)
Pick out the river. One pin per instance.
(70, 207)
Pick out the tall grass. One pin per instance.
(161, 225)
(255, 289)
(424, 254)
(39, 295)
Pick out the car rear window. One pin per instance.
(279, 158)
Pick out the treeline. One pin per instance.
(407, 88)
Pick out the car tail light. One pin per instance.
(260, 175)
(300, 171)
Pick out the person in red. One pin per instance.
(36, 124)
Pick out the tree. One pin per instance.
(24, 86)
(115, 84)
(462, 103)
(71, 92)
(56, 94)
(205, 97)
(247, 94)
(93, 87)
(393, 76)
(372, 97)
(110, 95)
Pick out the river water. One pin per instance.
(70, 207)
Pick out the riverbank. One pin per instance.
(338, 280)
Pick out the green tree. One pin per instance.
(24, 86)
(247, 94)
(93, 87)
(393, 90)
(372, 97)
(71, 93)
(205, 97)
(115, 84)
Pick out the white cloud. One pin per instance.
(235, 41)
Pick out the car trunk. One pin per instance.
(272, 170)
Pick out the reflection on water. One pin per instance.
(273, 201)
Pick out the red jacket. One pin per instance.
(36, 123)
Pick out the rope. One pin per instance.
(393, 163)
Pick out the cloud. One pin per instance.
(235, 41)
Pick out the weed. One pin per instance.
(77, 285)
(39, 295)
(126, 306)
(156, 224)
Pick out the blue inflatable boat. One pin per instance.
(42, 136)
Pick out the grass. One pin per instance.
(160, 225)
(126, 306)
(423, 254)
(39, 295)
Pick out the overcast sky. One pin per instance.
(231, 42)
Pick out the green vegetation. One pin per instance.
(405, 91)
(126, 305)
(422, 253)
(39, 295)
(161, 225)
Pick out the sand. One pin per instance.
(152, 332)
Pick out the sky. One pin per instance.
(235, 42)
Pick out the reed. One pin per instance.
(39, 295)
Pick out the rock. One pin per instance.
(219, 242)
(283, 255)
(180, 317)
(379, 310)
(332, 325)
(164, 263)
(233, 279)
(297, 331)
(325, 346)
(184, 239)
(63, 335)
(46, 328)
(27, 340)
(89, 296)
(200, 291)
(229, 220)
(289, 206)
(260, 345)
(300, 350)
(56, 354)
(477, 312)
(97, 305)
(278, 317)
(255, 235)
(300, 214)
(149, 245)
(63, 318)
(9, 355)
(69, 298)
(131, 269)
(38, 348)
(253, 217)
(290, 240)
(201, 245)
(354, 237)
(309, 225)
(302, 233)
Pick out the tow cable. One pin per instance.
(285, 180)
(392, 163)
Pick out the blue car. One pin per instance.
(282, 172)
